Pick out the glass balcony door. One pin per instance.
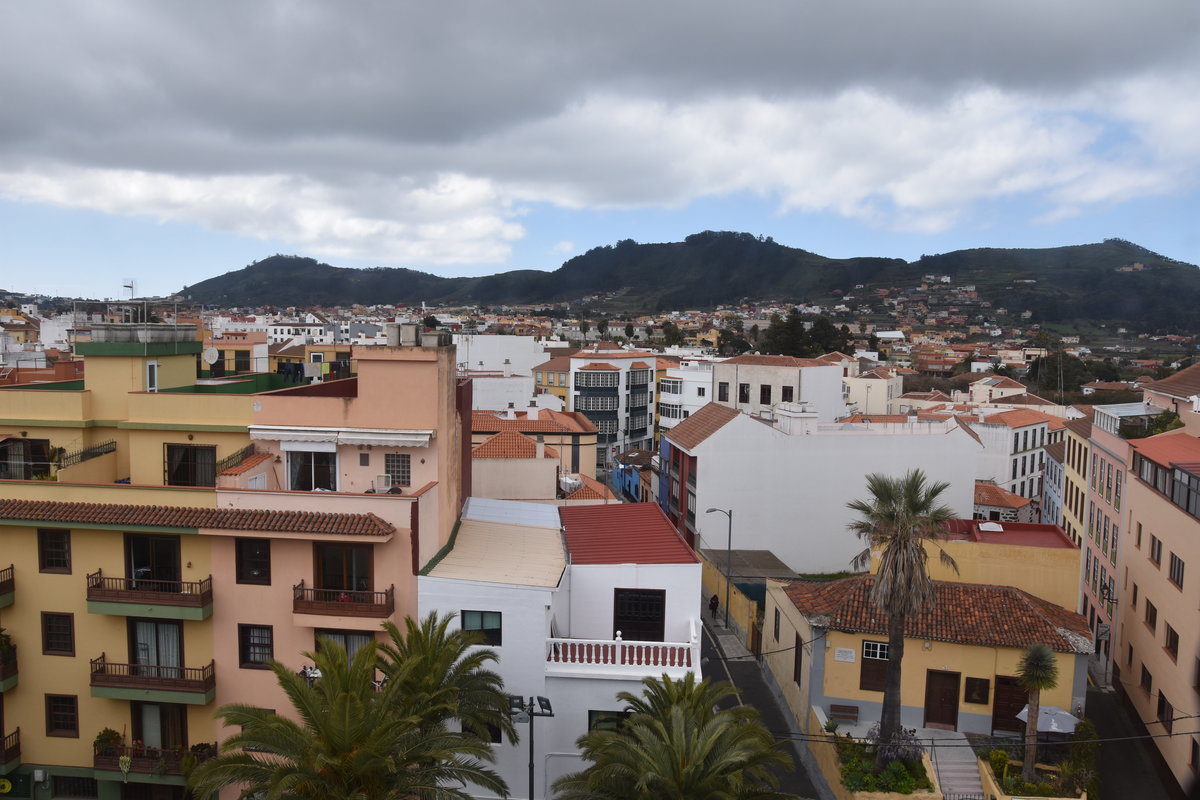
(152, 562)
(157, 648)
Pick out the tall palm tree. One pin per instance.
(1037, 671)
(445, 673)
(900, 517)
(353, 741)
(673, 746)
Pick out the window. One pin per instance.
(798, 661)
(743, 393)
(977, 690)
(71, 786)
(399, 468)
(670, 386)
(1155, 550)
(256, 644)
(873, 674)
(241, 360)
(1133, 603)
(786, 394)
(486, 622)
(364, 459)
(151, 376)
(58, 634)
(1176, 570)
(777, 624)
(1172, 642)
(1147, 681)
(723, 392)
(253, 561)
(764, 394)
(1137, 542)
(62, 715)
(1166, 714)
(1129, 655)
(308, 471)
(191, 465)
(54, 551)
(701, 391)
(597, 378)
(1194, 758)
(607, 720)
(1151, 616)
(351, 640)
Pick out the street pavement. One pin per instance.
(725, 659)
(1131, 768)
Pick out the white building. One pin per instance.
(683, 391)
(755, 384)
(580, 603)
(788, 483)
(1012, 449)
(872, 392)
(614, 388)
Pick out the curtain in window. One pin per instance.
(157, 649)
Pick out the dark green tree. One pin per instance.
(628, 330)
(430, 322)
(1037, 672)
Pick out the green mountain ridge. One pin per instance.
(1077, 282)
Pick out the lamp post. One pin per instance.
(524, 711)
(728, 556)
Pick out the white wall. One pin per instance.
(592, 596)
(495, 393)
(789, 493)
(523, 353)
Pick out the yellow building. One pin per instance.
(827, 647)
(1077, 441)
(160, 538)
(551, 377)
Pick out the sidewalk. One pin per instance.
(724, 658)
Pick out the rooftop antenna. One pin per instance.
(131, 285)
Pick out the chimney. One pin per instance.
(507, 368)
(510, 412)
(795, 419)
(541, 446)
(534, 413)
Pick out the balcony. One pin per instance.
(8, 668)
(7, 587)
(343, 603)
(10, 752)
(149, 760)
(157, 684)
(616, 658)
(139, 597)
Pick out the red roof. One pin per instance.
(1169, 448)
(988, 494)
(598, 365)
(510, 444)
(753, 359)
(699, 426)
(184, 517)
(623, 533)
(592, 489)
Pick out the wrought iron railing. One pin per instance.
(152, 676)
(233, 460)
(6, 579)
(343, 602)
(149, 760)
(10, 747)
(87, 453)
(8, 662)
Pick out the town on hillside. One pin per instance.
(191, 497)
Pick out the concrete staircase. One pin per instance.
(957, 769)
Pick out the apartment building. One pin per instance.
(755, 384)
(1157, 648)
(185, 531)
(683, 390)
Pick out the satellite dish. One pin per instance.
(210, 356)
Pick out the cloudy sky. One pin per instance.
(170, 141)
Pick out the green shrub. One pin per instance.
(896, 778)
(999, 760)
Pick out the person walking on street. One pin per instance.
(713, 605)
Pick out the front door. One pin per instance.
(639, 614)
(1010, 698)
(941, 699)
(152, 562)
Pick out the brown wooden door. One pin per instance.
(1010, 698)
(941, 699)
(639, 614)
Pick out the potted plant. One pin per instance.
(6, 645)
(107, 742)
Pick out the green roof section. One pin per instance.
(137, 348)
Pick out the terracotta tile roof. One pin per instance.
(623, 533)
(752, 359)
(999, 382)
(1169, 448)
(666, 362)
(835, 357)
(556, 364)
(974, 434)
(934, 395)
(547, 422)
(699, 426)
(965, 613)
(598, 365)
(296, 350)
(1025, 399)
(1182, 384)
(877, 418)
(183, 517)
(253, 460)
(592, 489)
(1056, 451)
(640, 365)
(989, 494)
(510, 444)
(1080, 427)
(1017, 418)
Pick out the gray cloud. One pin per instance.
(397, 130)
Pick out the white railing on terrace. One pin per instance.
(617, 656)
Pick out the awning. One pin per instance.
(383, 437)
(1051, 719)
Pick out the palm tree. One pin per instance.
(352, 741)
(901, 516)
(672, 745)
(445, 673)
(1037, 671)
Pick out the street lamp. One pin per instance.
(523, 711)
(728, 557)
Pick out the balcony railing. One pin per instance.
(622, 657)
(233, 460)
(148, 676)
(8, 663)
(6, 580)
(148, 760)
(87, 453)
(10, 747)
(343, 602)
(189, 594)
